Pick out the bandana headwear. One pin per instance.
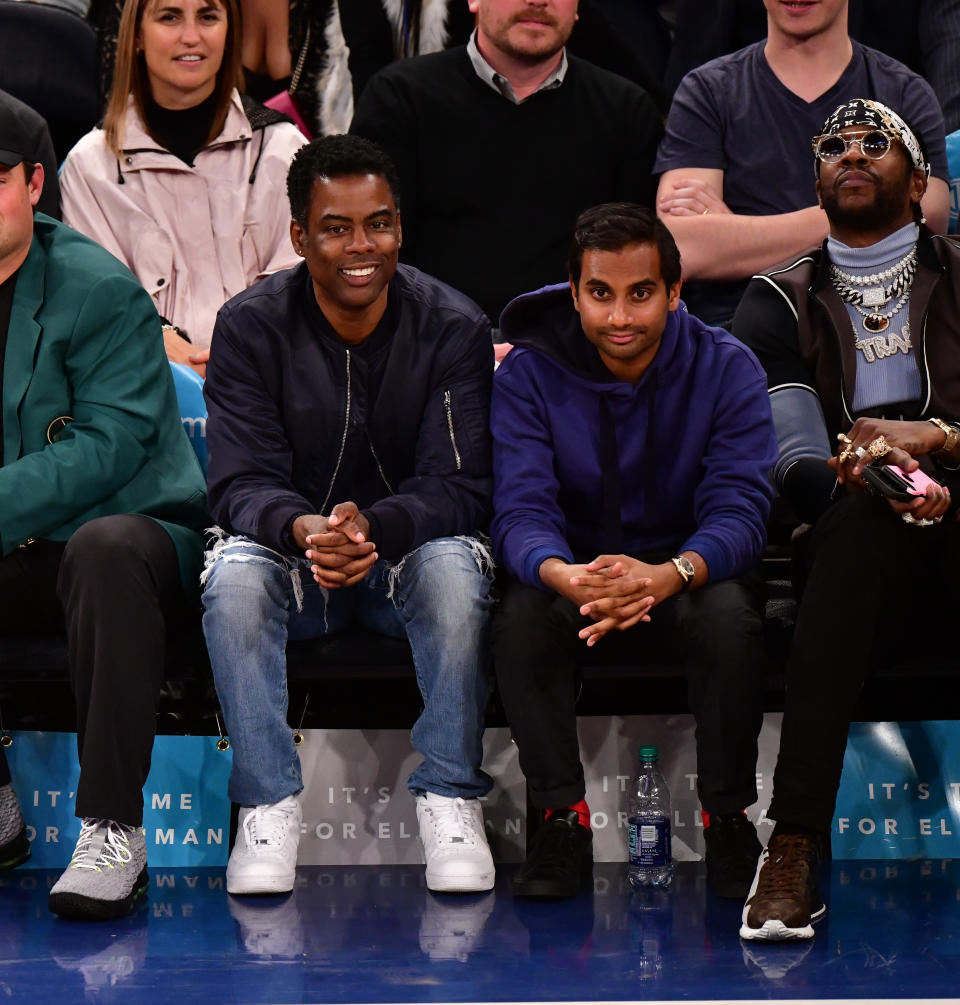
(864, 112)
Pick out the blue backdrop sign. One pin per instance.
(186, 812)
(900, 792)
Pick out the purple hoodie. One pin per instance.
(585, 464)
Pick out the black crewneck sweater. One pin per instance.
(490, 190)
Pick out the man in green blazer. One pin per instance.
(101, 504)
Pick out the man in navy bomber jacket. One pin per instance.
(349, 444)
(631, 449)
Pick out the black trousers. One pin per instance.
(716, 632)
(876, 588)
(113, 587)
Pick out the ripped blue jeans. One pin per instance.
(437, 597)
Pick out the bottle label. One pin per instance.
(649, 842)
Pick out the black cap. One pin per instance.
(21, 130)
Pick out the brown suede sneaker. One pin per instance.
(785, 900)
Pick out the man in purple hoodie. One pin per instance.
(632, 445)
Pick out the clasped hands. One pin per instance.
(907, 440)
(337, 545)
(615, 591)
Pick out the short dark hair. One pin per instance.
(613, 226)
(335, 157)
(28, 170)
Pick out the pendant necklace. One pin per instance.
(870, 292)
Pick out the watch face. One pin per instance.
(686, 567)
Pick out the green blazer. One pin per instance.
(91, 425)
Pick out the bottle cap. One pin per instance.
(648, 754)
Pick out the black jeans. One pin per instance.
(874, 585)
(716, 632)
(113, 587)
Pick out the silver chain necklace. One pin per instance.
(860, 291)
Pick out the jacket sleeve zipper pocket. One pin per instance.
(448, 408)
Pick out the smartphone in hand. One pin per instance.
(893, 482)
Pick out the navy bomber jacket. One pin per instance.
(290, 415)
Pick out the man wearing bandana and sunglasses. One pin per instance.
(858, 338)
(101, 504)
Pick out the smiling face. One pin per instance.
(623, 302)
(183, 43)
(800, 19)
(864, 198)
(528, 31)
(351, 245)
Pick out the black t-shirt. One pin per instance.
(359, 478)
(6, 306)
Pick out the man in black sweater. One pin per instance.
(501, 143)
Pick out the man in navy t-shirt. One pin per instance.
(736, 189)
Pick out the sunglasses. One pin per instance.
(873, 143)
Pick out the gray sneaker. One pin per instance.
(14, 846)
(107, 874)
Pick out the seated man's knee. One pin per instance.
(243, 576)
(451, 576)
(105, 539)
(722, 611)
(110, 548)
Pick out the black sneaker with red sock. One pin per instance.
(560, 857)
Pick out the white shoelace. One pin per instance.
(114, 849)
(453, 822)
(267, 825)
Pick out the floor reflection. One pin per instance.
(377, 934)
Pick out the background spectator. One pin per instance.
(48, 59)
(500, 144)
(184, 182)
(379, 31)
(313, 44)
(922, 34)
(736, 188)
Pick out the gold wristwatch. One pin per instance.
(950, 443)
(685, 567)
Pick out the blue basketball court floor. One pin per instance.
(375, 934)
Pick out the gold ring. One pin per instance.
(705, 212)
(845, 455)
(879, 448)
(843, 438)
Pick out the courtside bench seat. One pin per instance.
(360, 680)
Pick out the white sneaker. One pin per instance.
(264, 856)
(454, 844)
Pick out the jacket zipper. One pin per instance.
(343, 440)
(379, 466)
(448, 408)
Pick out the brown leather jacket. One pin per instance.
(798, 326)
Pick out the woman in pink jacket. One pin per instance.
(186, 180)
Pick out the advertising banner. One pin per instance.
(186, 813)
(899, 797)
(900, 791)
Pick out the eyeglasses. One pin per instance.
(873, 143)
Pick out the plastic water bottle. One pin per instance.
(651, 860)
